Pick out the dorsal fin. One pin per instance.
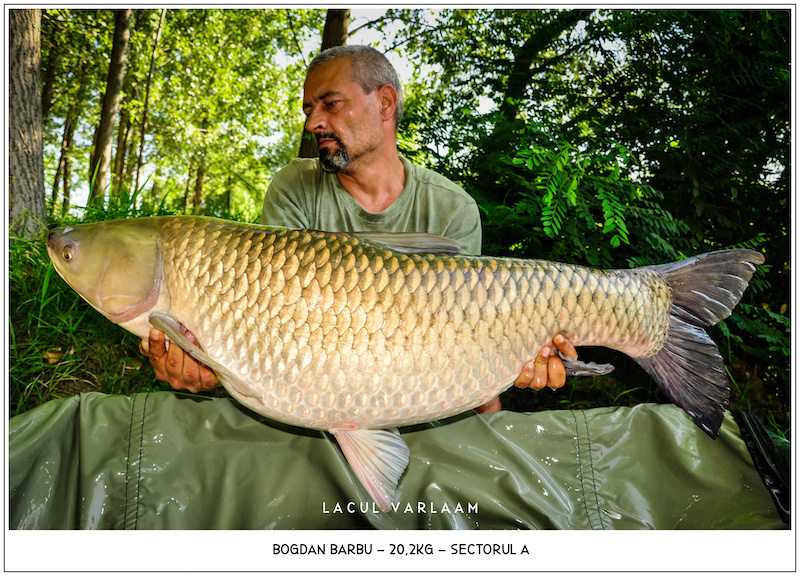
(411, 242)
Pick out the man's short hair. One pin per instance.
(371, 70)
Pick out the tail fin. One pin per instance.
(689, 368)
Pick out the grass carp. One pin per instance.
(360, 334)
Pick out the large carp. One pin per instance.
(359, 334)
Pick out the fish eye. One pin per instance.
(68, 252)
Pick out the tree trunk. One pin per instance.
(497, 143)
(123, 135)
(188, 187)
(143, 127)
(130, 161)
(27, 215)
(65, 196)
(198, 187)
(519, 76)
(105, 130)
(53, 60)
(63, 170)
(334, 34)
(154, 191)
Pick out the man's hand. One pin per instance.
(175, 366)
(546, 370)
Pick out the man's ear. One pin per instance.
(387, 96)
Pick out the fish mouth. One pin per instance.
(52, 241)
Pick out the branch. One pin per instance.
(368, 24)
(294, 37)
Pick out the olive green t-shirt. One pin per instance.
(302, 195)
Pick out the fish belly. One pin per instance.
(331, 332)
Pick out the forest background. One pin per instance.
(611, 138)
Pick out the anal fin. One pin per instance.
(378, 457)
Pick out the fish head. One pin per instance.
(115, 266)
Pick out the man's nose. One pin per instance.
(316, 121)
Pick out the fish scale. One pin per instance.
(459, 307)
(358, 334)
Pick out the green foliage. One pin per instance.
(224, 98)
(587, 193)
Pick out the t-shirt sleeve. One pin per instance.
(465, 228)
(286, 201)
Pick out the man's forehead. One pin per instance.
(335, 76)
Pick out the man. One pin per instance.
(353, 104)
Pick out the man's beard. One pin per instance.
(336, 160)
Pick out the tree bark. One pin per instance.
(143, 127)
(519, 76)
(27, 215)
(53, 59)
(188, 187)
(105, 130)
(63, 170)
(333, 34)
(500, 139)
(198, 187)
(123, 135)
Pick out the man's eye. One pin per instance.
(332, 103)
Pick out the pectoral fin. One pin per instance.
(172, 328)
(378, 457)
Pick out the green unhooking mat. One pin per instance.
(172, 461)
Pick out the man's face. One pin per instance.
(345, 121)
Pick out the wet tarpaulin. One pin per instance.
(171, 461)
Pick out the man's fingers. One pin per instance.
(556, 374)
(157, 347)
(525, 377)
(173, 365)
(190, 371)
(540, 369)
(565, 346)
(208, 379)
(155, 350)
